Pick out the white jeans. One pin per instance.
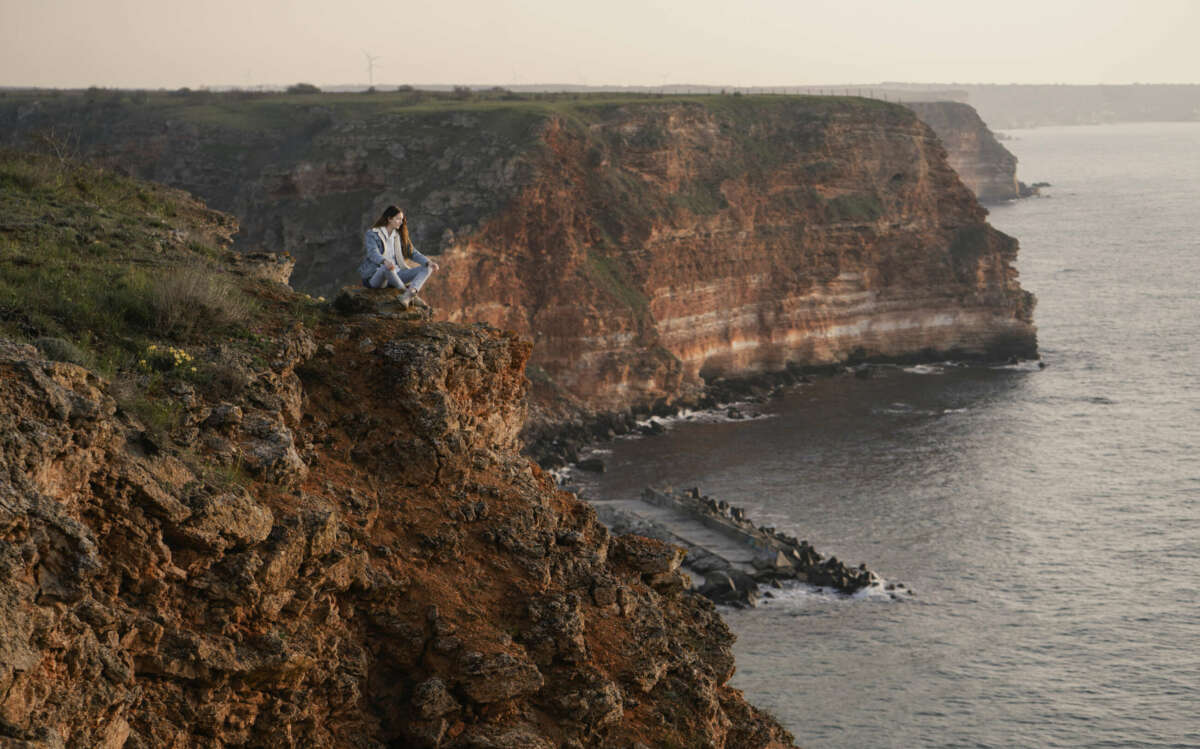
(400, 278)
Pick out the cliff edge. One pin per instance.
(981, 161)
(263, 522)
(645, 245)
(660, 246)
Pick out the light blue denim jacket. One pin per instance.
(374, 248)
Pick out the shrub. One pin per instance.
(857, 207)
(60, 349)
(303, 88)
(160, 416)
(166, 359)
(194, 298)
(969, 243)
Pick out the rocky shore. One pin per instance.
(777, 557)
(555, 443)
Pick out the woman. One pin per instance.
(385, 266)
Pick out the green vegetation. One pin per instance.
(128, 278)
(969, 243)
(84, 260)
(702, 198)
(58, 349)
(223, 476)
(857, 207)
(300, 104)
(159, 415)
(611, 276)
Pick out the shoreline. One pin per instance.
(768, 558)
(559, 444)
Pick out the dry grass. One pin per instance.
(194, 298)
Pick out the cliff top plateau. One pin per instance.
(233, 516)
(647, 245)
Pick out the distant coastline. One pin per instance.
(1002, 106)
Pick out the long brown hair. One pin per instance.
(406, 245)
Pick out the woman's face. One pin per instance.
(395, 221)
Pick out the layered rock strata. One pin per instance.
(667, 246)
(316, 533)
(646, 246)
(981, 161)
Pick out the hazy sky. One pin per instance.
(168, 43)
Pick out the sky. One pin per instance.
(247, 43)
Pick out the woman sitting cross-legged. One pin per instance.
(388, 252)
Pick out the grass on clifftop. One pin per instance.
(125, 277)
(281, 111)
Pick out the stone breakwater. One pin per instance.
(732, 577)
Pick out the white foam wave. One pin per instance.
(926, 369)
(800, 595)
(745, 410)
(1022, 366)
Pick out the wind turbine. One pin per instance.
(370, 68)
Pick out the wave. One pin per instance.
(729, 413)
(1032, 365)
(926, 369)
(905, 409)
(794, 594)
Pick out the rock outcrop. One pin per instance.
(327, 538)
(981, 161)
(402, 579)
(645, 245)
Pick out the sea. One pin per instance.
(1047, 519)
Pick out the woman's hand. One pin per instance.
(389, 265)
(433, 266)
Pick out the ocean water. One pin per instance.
(1048, 520)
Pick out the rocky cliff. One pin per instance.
(294, 526)
(645, 245)
(981, 161)
(679, 243)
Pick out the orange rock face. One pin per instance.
(388, 571)
(642, 244)
(982, 163)
(659, 245)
